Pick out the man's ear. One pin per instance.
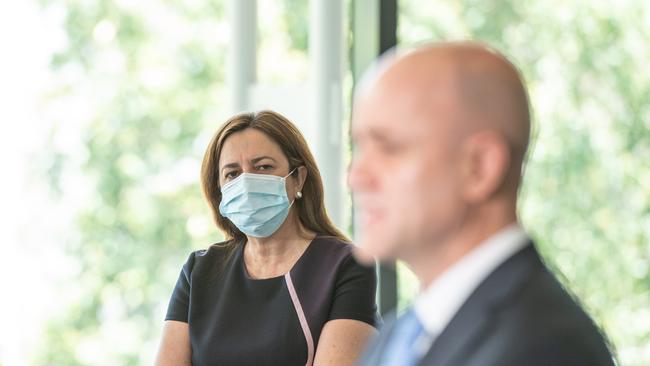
(485, 162)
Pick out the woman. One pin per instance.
(283, 289)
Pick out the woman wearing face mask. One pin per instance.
(283, 289)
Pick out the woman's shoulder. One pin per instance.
(215, 254)
(333, 243)
(217, 249)
(331, 247)
(329, 253)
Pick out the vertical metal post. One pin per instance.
(387, 25)
(326, 72)
(374, 27)
(387, 40)
(243, 59)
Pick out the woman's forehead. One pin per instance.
(247, 145)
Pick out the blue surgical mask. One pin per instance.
(256, 203)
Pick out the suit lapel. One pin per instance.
(466, 330)
(476, 316)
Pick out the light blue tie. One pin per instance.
(400, 348)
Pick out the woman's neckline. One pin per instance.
(252, 279)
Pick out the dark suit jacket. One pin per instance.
(519, 315)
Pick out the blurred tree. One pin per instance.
(144, 81)
(150, 76)
(297, 19)
(586, 197)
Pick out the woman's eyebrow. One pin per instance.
(253, 161)
(259, 158)
(229, 165)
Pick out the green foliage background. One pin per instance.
(586, 196)
(152, 74)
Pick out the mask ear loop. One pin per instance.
(291, 172)
(298, 195)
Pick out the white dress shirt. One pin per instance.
(441, 300)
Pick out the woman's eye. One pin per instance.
(231, 175)
(264, 167)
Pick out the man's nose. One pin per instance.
(360, 173)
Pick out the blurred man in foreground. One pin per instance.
(440, 139)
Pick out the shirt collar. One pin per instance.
(438, 303)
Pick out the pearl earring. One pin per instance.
(298, 195)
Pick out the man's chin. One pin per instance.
(363, 256)
(367, 253)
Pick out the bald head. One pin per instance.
(478, 88)
(440, 133)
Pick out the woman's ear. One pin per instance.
(302, 176)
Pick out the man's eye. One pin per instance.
(264, 167)
(390, 147)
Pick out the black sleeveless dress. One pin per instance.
(236, 320)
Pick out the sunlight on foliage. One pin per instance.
(586, 197)
(139, 87)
